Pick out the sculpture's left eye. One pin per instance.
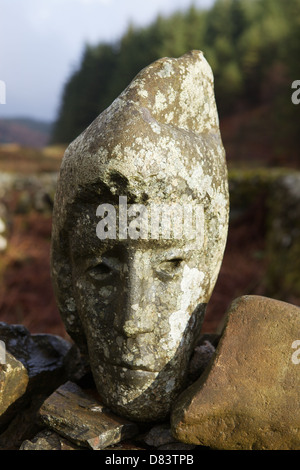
(101, 271)
(169, 267)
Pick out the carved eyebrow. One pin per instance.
(184, 253)
(169, 255)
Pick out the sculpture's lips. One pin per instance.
(133, 367)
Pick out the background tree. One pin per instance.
(252, 46)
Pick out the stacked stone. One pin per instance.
(248, 397)
(31, 367)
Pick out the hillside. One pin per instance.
(249, 137)
(251, 47)
(25, 131)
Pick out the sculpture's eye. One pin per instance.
(101, 271)
(170, 267)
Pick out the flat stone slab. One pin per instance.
(82, 419)
(249, 396)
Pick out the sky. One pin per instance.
(41, 44)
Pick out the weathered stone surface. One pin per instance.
(132, 295)
(201, 358)
(13, 382)
(161, 438)
(83, 420)
(175, 446)
(159, 435)
(248, 398)
(125, 445)
(48, 440)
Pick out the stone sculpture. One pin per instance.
(139, 229)
(248, 397)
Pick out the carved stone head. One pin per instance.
(139, 230)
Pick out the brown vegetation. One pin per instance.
(26, 160)
(26, 295)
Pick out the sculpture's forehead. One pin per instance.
(161, 248)
(150, 226)
(85, 241)
(127, 146)
(167, 165)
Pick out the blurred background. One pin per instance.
(62, 62)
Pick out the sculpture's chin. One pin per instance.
(137, 394)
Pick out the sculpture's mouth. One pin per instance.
(133, 367)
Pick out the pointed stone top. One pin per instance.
(159, 138)
(179, 92)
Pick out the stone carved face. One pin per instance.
(136, 304)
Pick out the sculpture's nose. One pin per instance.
(137, 315)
